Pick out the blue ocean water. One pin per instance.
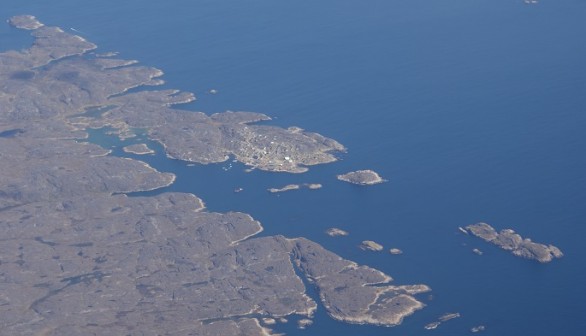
(473, 110)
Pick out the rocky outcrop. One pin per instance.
(310, 186)
(138, 149)
(362, 177)
(371, 246)
(335, 232)
(508, 240)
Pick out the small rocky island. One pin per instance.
(395, 251)
(335, 232)
(285, 188)
(508, 240)
(304, 323)
(362, 177)
(79, 256)
(371, 246)
(138, 149)
(477, 251)
(477, 329)
(311, 186)
(444, 318)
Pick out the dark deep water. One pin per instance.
(473, 110)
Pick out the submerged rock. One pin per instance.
(362, 177)
(478, 329)
(508, 240)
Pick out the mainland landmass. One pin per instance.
(508, 240)
(362, 177)
(79, 256)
